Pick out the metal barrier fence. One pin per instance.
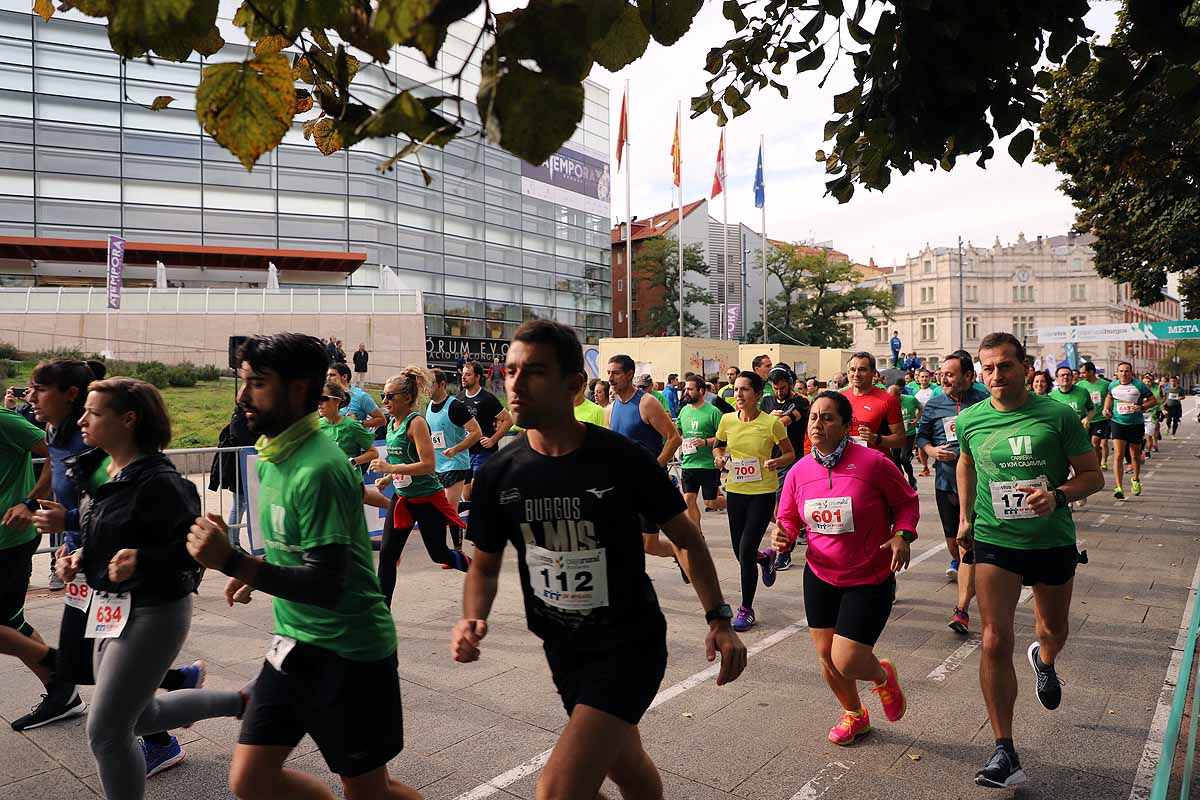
(1170, 744)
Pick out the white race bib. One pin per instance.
(1009, 502)
(1096, 398)
(859, 440)
(400, 481)
(745, 470)
(439, 439)
(950, 426)
(79, 594)
(278, 651)
(1172, 395)
(575, 580)
(109, 615)
(1128, 408)
(831, 515)
(689, 447)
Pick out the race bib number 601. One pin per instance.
(574, 580)
(830, 515)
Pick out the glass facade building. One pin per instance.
(82, 156)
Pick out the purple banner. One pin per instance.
(573, 171)
(732, 313)
(116, 265)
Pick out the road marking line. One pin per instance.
(818, 786)
(955, 659)
(1144, 779)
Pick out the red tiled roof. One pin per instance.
(656, 225)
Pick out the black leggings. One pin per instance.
(433, 533)
(1174, 414)
(749, 515)
(903, 457)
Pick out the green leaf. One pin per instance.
(813, 27)
(161, 102)
(327, 137)
(668, 20)
(858, 33)
(845, 103)
(446, 12)
(1180, 79)
(91, 8)
(811, 60)
(407, 114)
(511, 95)
(1045, 80)
(1078, 59)
(271, 44)
(168, 27)
(831, 128)
(732, 10)
(551, 32)
(1020, 145)
(624, 43)
(247, 107)
(210, 43)
(399, 19)
(321, 39)
(834, 8)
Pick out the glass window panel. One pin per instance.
(464, 327)
(502, 178)
(464, 287)
(236, 175)
(376, 253)
(541, 244)
(373, 186)
(15, 78)
(77, 110)
(364, 208)
(418, 260)
(239, 198)
(309, 157)
(162, 193)
(537, 225)
(168, 169)
(460, 266)
(503, 291)
(16, 104)
(83, 187)
(240, 240)
(494, 272)
(421, 240)
(381, 233)
(326, 205)
(15, 130)
(158, 144)
(332, 301)
(418, 218)
(324, 245)
(464, 188)
(538, 261)
(159, 235)
(16, 156)
(170, 120)
(472, 209)
(305, 181)
(78, 162)
(464, 248)
(175, 219)
(322, 227)
(238, 222)
(459, 226)
(504, 255)
(84, 62)
(17, 22)
(186, 74)
(434, 325)
(424, 281)
(538, 296)
(503, 217)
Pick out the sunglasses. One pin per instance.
(325, 398)
(388, 395)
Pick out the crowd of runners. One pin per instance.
(599, 477)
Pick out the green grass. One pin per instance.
(197, 412)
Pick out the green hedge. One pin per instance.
(155, 372)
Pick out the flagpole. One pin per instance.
(725, 253)
(628, 227)
(762, 152)
(679, 128)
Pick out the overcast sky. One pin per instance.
(1003, 200)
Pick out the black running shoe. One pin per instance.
(1049, 687)
(1002, 770)
(55, 705)
(682, 574)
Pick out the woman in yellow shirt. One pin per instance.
(746, 440)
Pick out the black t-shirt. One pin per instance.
(723, 406)
(795, 428)
(459, 414)
(360, 360)
(566, 517)
(484, 407)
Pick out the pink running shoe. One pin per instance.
(890, 693)
(851, 726)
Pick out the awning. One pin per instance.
(86, 251)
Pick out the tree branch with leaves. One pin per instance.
(656, 270)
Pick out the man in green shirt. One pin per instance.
(698, 421)
(1097, 389)
(586, 410)
(726, 392)
(1017, 451)
(762, 365)
(330, 670)
(1073, 396)
(1128, 400)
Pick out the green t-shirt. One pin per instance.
(1097, 390)
(401, 450)
(17, 436)
(1078, 399)
(1156, 412)
(698, 423)
(909, 405)
(308, 497)
(349, 435)
(1030, 447)
(662, 400)
(587, 411)
(1126, 400)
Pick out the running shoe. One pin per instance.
(852, 725)
(1049, 687)
(766, 561)
(55, 705)
(56, 583)
(160, 758)
(960, 621)
(913, 483)
(1118, 494)
(783, 562)
(890, 693)
(952, 571)
(462, 561)
(923, 473)
(1104, 464)
(1137, 488)
(744, 620)
(193, 675)
(1002, 770)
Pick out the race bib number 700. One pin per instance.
(575, 580)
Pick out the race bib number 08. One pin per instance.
(745, 470)
(1009, 502)
(574, 580)
(79, 594)
(109, 615)
(830, 515)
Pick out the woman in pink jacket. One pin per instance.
(861, 517)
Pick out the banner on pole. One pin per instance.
(116, 265)
(731, 319)
(1121, 332)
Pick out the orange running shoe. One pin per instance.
(890, 693)
(852, 725)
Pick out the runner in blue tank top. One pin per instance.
(639, 416)
(453, 431)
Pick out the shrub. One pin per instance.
(8, 369)
(154, 372)
(8, 352)
(209, 372)
(181, 375)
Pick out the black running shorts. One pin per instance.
(857, 613)
(706, 480)
(1052, 566)
(621, 681)
(351, 709)
(454, 476)
(1100, 430)
(16, 566)
(1134, 434)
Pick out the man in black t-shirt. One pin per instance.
(567, 497)
(360, 357)
(492, 417)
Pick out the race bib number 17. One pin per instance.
(1009, 502)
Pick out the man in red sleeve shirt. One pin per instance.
(872, 408)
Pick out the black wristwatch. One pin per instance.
(722, 611)
(1060, 498)
(30, 503)
(907, 536)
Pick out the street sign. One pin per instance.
(1122, 332)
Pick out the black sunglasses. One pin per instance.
(327, 397)
(388, 395)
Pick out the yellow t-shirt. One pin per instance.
(748, 446)
(587, 411)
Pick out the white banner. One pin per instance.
(1121, 332)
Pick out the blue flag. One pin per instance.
(760, 197)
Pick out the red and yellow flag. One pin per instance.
(676, 155)
(719, 176)
(622, 131)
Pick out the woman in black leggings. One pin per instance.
(411, 467)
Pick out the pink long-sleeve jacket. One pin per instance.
(850, 511)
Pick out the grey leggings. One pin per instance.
(129, 670)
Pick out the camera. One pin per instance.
(19, 391)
